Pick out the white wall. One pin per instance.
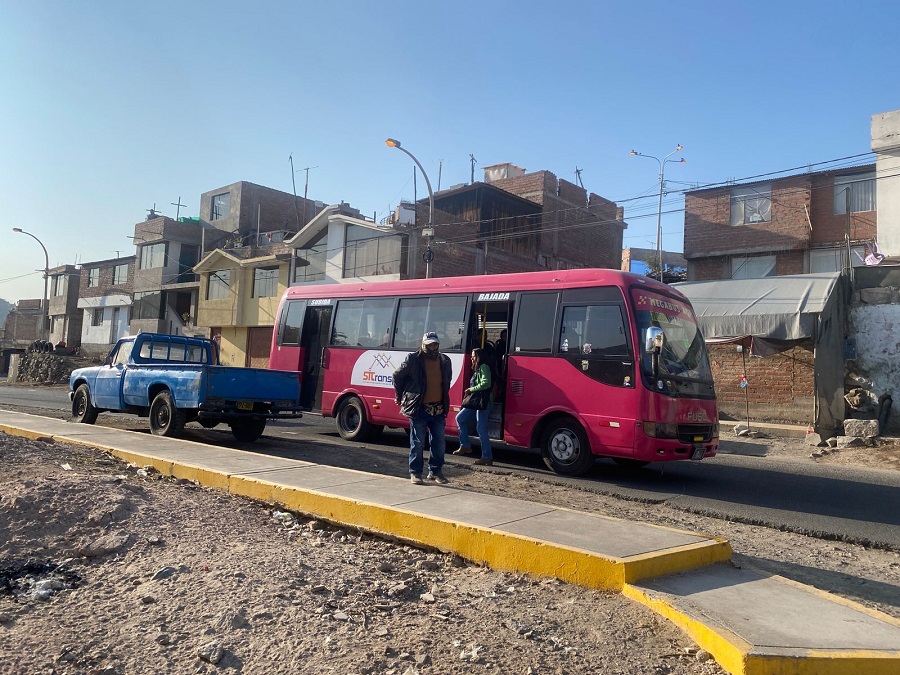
(886, 143)
(876, 329)
(106, 333)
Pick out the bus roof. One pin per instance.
(482, 283)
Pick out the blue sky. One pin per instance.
(109, 108)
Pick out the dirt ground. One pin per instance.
(105, 568)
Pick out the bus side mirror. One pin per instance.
(653, 341)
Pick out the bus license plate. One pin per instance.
(244, 405)
(698, 453)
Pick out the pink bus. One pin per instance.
(599, 362)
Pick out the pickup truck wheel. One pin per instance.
(247, 431)
(165, 418)
(82, 410)
(352, 423)
(565, 447)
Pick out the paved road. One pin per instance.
(831, 501)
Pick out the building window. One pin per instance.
(120, 274)
(369, 252)
(219, 285)
(93, 277)
(59, 285)
(221, 206)
(751, 205)
(755, 267)
(835, 259)
(96, 316)
(861, 187)
(153, 255)
(148, 305)
(265, 282)
(309, 263)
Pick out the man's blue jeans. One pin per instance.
(419, 427)
(463, 417)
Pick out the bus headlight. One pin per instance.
(661, 430)
(714, 430)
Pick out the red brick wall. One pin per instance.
(707, 231)
(531, 186)
(709, 269)
(574, 194)
(781, 387)
(829, 228)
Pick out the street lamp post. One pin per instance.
(45, 306)
(428, 256)
(662, 170)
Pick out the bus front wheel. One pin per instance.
(565, 448)
(352, 423)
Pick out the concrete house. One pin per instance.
(65, 318)
(244, 266)
(104, 302)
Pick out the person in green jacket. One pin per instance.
(481, 381)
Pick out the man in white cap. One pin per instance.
(422, 390)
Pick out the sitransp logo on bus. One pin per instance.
(374, 369)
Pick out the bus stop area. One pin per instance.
(750, 623)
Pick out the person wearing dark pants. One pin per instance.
(422, 390)
(480, 384)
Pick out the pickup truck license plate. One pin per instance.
(698, 453)
(244, 405)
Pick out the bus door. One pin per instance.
(530, 385)
(491, 314)
(313, 339)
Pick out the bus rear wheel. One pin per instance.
(352, 423)
(565, 448)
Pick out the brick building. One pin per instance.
(515, 221)
(792, 225)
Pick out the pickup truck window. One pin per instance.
(123, 353)
(172, 351)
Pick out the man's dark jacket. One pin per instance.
(409, 383)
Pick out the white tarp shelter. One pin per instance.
(779, 313)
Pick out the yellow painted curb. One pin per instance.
(499, 550)
(735, 654)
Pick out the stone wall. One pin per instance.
(37, 368)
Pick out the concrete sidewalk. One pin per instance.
(750, 623)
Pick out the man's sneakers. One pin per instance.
(436, 477)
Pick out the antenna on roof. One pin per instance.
(578, 177)
(472, 161)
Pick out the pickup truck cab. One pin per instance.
(174, 379)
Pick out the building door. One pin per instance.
(259, 342)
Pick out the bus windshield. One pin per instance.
(683, 355)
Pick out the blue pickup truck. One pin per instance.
(174, 379)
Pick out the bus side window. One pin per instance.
(291, 321)
(537, 314)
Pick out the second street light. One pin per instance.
(662, 170)
(46, 305)
(428, 256)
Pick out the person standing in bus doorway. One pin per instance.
(422, 390)
(479, 384)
